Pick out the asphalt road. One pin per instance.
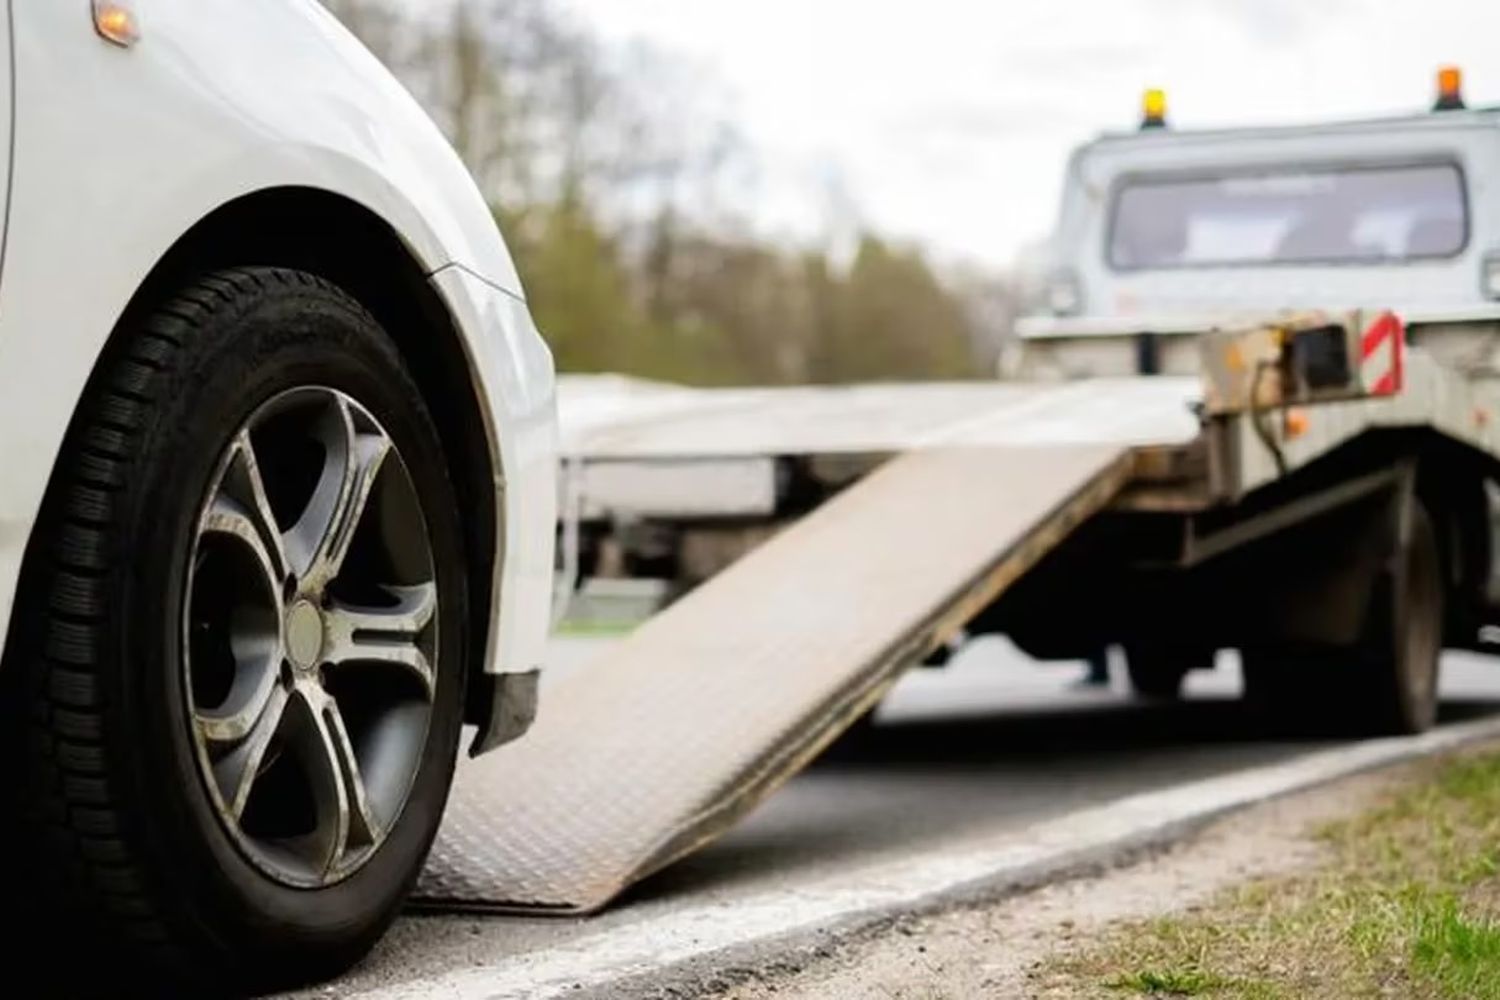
(991, 744)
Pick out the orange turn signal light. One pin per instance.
(1297, 423)
(116, 22)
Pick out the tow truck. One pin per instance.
(1263, 414)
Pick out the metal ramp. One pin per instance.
(715, 702)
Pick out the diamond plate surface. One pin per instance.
(710, 705)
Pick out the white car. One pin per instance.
(278, 502)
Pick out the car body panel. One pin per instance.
(5, 122)
(119, 152)
(520, 395)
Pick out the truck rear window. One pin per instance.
(1290, 216)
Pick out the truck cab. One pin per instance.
(1164, 231)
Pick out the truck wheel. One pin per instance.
(1395, 671)
(244, 649)
(1385, 684)
(1157, 672)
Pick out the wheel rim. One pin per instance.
(310, 637)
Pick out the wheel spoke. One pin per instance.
(239, 508)
(355, 451)
(348, 823)
(385, 635)
(363, 828)
(250, 697)
(243, 481)
(237, 770)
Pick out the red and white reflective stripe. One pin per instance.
(1383, 356)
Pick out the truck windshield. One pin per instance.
(1290, 216)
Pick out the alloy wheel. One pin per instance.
(310, 637)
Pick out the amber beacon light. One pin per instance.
(116, 22)
(1450, 87)
(1154, 109)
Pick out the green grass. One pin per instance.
(1407, 905)
(580, 629)
(1457, 953)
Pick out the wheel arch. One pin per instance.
(347, 244)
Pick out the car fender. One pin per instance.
(117, 153)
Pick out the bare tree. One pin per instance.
(613, 171)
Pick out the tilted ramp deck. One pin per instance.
(716, 701)
(708, 707)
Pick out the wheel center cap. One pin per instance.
(304, 635)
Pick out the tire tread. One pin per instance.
(71, 789)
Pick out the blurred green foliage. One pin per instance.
(600, 167)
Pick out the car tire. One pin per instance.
(149, 626)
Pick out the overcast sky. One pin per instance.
(948, 121)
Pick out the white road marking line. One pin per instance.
(598, 960)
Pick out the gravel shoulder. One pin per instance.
(1051, 942)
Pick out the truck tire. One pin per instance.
(1397, 665)
(1386, 684)
(243, 641)
(1157, 672)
